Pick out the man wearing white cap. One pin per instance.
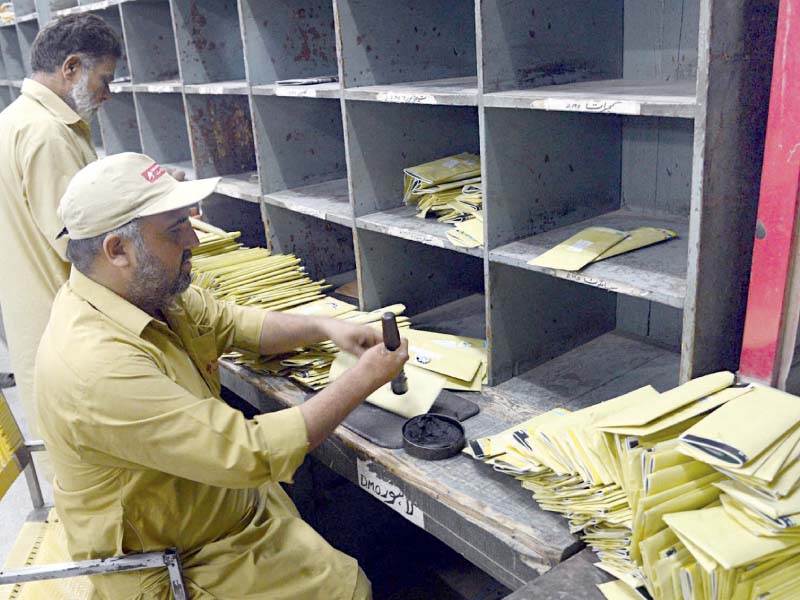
(145, 453)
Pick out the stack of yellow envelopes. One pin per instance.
(449, 189)
(619, 473)
(255, 277)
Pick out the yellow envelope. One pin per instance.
(445, 354)
(747, 496)
(325, 307)
(745, 427)
(717, 534)
(616, 590)
(423, 388)
(638, 238)
(691, 391)
(579, 250)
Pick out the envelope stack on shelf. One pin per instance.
(663, 487)
(255, 277)
(449, 189)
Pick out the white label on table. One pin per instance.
(620, 107)
(388, 493)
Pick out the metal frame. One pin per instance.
(773, 305)
(169, 558)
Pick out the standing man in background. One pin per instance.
(44, 141)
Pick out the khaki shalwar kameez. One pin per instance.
(43, 143)
(147, 456)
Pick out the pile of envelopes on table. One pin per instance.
(255, 277)
(631, 475)
(450, 190)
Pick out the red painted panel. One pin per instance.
(778, 206)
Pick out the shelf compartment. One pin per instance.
(221, 135)
(535, 318)
(209, 40)
(402, 222)
(618, 96)
(54, 6)
(418, 40)
(150, 42)
(162, 124)
(243, 186)
(570, 167)
(24, 8)
(656, 273)
(288, 39)
(523, 45)
(319, 90)
(328, 201)
(383, 139)
(119, 124)
(457, 91)
(26, 32)
(299, 142)
(325, 247)
(232, 214)
(422, 277)
(603, 368)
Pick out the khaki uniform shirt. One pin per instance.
(43, 143)
(147, 456)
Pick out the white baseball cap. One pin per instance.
(115, 190)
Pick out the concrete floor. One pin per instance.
(16, 504)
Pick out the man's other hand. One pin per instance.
(382, 365)
(352, 338)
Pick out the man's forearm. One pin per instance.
(328, 408)
(282, 333)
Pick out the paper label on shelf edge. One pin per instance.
(405, 98)
(388, 493)
(620, 107)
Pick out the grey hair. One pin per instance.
(83, 253)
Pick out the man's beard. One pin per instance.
(80, 99)
(153, 287)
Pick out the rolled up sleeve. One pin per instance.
(136, 414)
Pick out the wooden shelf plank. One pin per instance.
(402, 222)
(244, 186)
(238, 87)
(457, 91)
(320, 90)
(25, 18)
(329, 201)
(171, 86)
(616, 96)
(94, 6)
(656, 273)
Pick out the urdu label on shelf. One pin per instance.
(619, 107)
(388, 493)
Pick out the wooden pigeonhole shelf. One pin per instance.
(609, 112)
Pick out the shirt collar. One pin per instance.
(110, 304)
(50, 100)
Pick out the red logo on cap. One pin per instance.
(153, 172)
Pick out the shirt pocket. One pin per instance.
(204, 353)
